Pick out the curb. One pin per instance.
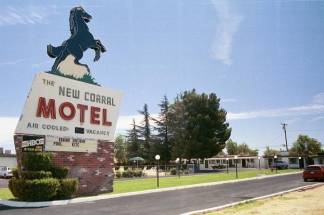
(20, 204)
(218, 208)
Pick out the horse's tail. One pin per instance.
(53, 52)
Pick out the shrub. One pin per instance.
(35, 174)
(138, 173)
(36, 161)
(118, 174)
(67, 188)
(173, 171)
(15, 173)
(128, 174)
(59, 172)
(34, 190)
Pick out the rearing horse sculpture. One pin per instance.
(81, 39)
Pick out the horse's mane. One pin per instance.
(73, 21)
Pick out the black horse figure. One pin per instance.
(81, 39)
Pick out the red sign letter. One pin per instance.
(94, 115)
(72, 111)
(82, 108)
(46, 110)
(104, 118)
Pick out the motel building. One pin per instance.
(220, 162)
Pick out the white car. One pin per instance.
(5, 172)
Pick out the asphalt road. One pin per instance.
(173, 202)
(4, 183)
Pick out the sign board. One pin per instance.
(70, 144)
(33, 143)
(63, 107)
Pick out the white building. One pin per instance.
(8, 160)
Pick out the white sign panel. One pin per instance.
(64, 107)
(67, 144)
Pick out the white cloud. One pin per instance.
(24, 15)
(227, 27)
(7, 128)
(319, 98)
(317, 119)
(229, 100)
(12, 62)
(290, 111)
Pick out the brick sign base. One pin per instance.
(93, 170)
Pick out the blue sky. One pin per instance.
(262, 58)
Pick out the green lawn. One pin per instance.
(5, 193)
(150, 183)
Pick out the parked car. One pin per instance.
(315, 172)
(280, 165)
(5, 172)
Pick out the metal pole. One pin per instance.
(236, 168)
(157, 174)
(276, 165)
(178, 167)
(259, 165)
(227, 166)
(284, 125)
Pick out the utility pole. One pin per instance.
(284, 125)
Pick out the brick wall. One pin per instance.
(94, 170)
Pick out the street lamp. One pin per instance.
(259, 162)
(299, 162)
(227, 165)
(157, 158)
(275, 159)
(235, 158)
(178, 170)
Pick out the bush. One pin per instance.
(36, 161)
(59, 172)
(15, 173)
(34, 190)
(173, 171)
(67, 188)
(118, 174)
(128, 174)
(35, 174)
(138, 173)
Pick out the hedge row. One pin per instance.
(129, 174)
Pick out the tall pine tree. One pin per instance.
(145, 134)
(162, 144)
(134, 148)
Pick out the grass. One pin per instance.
(150, 183)
(5, 194)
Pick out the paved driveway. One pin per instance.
(173, 202)
(4, 183)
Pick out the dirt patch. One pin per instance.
(303, 202)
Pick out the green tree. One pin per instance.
(244, 149)
(145, 134)
(120, 149)
(231, 147)
(134, 148)
(270, 152)
(197, 125)
(162, 144)
(305, 146)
